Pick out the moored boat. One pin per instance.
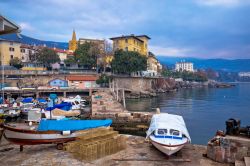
(49, 131)
(168, 133)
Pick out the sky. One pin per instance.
(182, 28)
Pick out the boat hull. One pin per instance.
(167, 149)
(34, 138)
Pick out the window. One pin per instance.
(174, 132)
(126, 40)
(23, 50)
(134, 49)
(126, 48)
(22, 58)
(162, 131)
(11, 57)
(134, 41)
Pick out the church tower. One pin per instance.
(73, 42)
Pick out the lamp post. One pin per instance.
(2, 58)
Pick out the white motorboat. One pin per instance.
(168, 133)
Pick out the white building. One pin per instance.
(184, 66)
(244, 74)
(26, 52)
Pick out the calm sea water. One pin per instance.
(204, 110)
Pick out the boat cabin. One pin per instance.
(168, 133)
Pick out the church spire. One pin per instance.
(74, 35)
(73, 42)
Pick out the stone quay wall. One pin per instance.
(136, 84)
(228, 149)
(104, 105)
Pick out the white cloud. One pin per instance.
(26, 26)
(223, 3)
(170, 51)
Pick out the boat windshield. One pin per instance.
(174, 132)
(162, 132)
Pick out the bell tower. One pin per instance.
(73, 42)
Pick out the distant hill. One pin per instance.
(31, 41)
(236, 65)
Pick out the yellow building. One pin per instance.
(9, 50)
(132, 43)
(73, 42)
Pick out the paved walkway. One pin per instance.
(138, 152)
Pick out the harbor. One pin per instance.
(105, 84)
(136, 150)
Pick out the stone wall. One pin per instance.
(33, 80)
(136, 84)
(228, 149)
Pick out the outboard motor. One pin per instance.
(232, 127)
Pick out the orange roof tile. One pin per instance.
(82, 78)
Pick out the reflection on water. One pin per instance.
(205, 110)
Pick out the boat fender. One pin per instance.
(66, 132)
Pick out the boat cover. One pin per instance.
(27, 100)
(41, 100)
(72, 125)
(169, 121)
(63, 106)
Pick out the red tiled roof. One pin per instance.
(82, 78)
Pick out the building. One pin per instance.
(33, 66)
(82, 81)
(9, 50)
(73, 42)
(58, 83)
(184, 66)
(131, 43)
(7, 26)
(244, 74)
(100, 43)
(27, 51)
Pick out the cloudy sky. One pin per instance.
(187, 28)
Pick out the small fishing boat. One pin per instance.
(49, 131)
(168, 133)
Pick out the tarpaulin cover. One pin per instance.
(41, 100)
(63, 106)
(72, 125)
(27, 100)
(168, 121)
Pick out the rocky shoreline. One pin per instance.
(168, 85)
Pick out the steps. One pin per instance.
(246, 162)
(239, 163)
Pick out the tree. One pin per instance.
(85, 55)
(126, 62)
(16, 62)
(46, 57)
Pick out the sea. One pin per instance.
(205, 110)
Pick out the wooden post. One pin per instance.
(117, 95)
(21, 148)
(90, 92)
(37, 95)
(113, 85)
(123, 98)
(64, 94)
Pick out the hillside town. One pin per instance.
(74, 97)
